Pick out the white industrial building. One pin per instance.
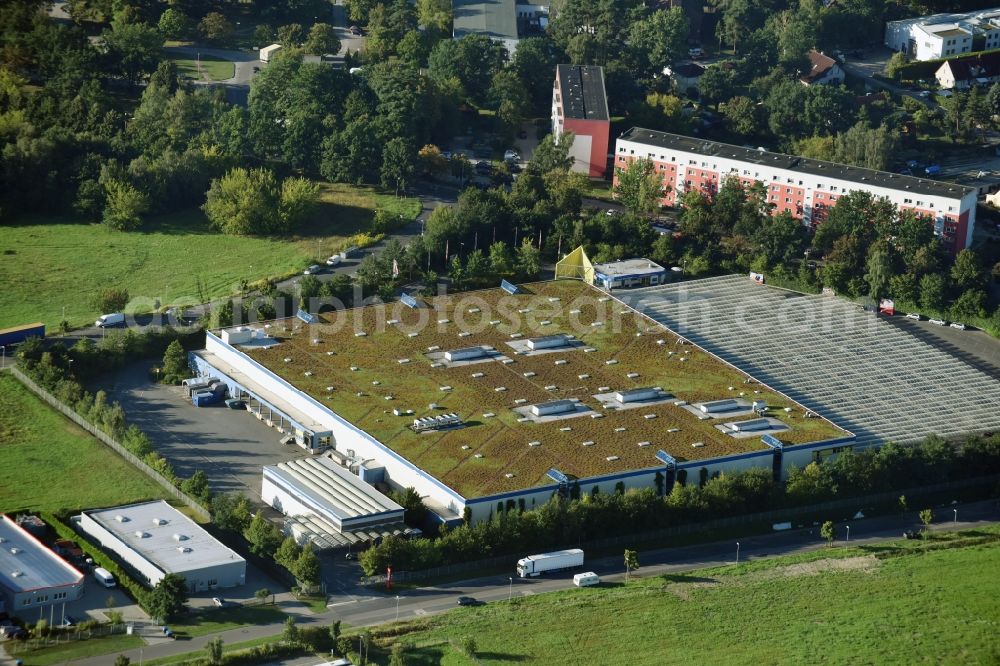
(944, 35)
(155, 539)
(32, 576)
(321, 489)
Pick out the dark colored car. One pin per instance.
(355, 30)
(468, 601)
(522, 135)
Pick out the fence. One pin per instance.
(111, 443)
(763, 517)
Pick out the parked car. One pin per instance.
(235, 403)
(484, 167)
(315, 268)
(511, 156)
(108, 320)
(911, 534)
(938, 322)
(925, 93)
(219, 601)
(960, 326)
(696, 52)
(913, 315)
(355, 30)
(333, 261)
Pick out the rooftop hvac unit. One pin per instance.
(180, 537)
(15, 551)
(121, 519)
(140, 534)
(183, 549)
(16, 573)
(159, 521)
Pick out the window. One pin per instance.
(920, 203)
(788, 190)
(694, 162)
(907, 200)
(788, 200)
(951, 209)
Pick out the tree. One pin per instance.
(297, 201)
(550, 156)
(827, 531)
(124, 205)
(214, 649)
(262, 594)
(307, 568)
(415, 510)
(290, 634)
(175, 363)
(742, 115)
(967, 271)
(122, 660)
(215, 27)
(291, 35)
(879, 270)
(322, 40)
(111, 299)
(134, 47)
(288, 553)
(197, 486)
(932, 292)
(716, 85)
(895, 63)
(399, 164)
(660, 40)
(167, 599)
(926, 517)
(631, 562)
(174, 24)
(901, 503)
(528, 262)
(397, 656)
(263, 536)
(639, 186)
(971, 303)
(435, 14)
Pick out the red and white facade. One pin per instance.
(804, 187)
(580, 106)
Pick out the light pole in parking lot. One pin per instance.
(737, 553)
(510, 589)
(397, 608)
(956, 515)
(848, 533)
(3, 357)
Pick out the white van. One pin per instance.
(586, 579)
(107, 320)
(104, 577)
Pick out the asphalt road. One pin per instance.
(378, 608)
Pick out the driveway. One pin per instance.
(341, 23)
(229, 445)
(871, 62)
(238, 87)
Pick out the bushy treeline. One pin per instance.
(611, 511)
(64, 372)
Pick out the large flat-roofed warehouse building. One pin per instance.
(155, 539)
(31, 575)
(398, 389)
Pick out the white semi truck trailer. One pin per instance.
(559, 560)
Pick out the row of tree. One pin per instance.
(517, 528)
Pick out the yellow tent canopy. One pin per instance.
(577, 265)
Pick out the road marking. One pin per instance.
(419, 611)
(527, 593)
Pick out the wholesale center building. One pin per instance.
(571, 390)
(803, 187)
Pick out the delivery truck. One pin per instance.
(559, 560)
(18, 334)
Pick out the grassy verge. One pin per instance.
(316, 604)
(48, 463)
(72, 650)
(214, 621)
(228, 648)
(899, 603)
(212, 67)
(53, 266)
(599, 189)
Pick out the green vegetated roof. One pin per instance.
(363, 378)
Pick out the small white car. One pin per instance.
(960, 326)
(913, 315)
(315, 268)
(333, 261)
(511, 156)
(938, 322)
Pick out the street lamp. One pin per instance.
(956, 515)
(848, 533)
(397, 608)
(510, 589)
(737, 552)
(3, 357)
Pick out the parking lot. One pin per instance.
(230, 445)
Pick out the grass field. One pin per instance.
(55, 264)
(48, 463)
(626, 352)
(72, 650)
(217, 620)
(215, 69)
(836, 606)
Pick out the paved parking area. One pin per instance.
(878, 380)
(230, 445)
